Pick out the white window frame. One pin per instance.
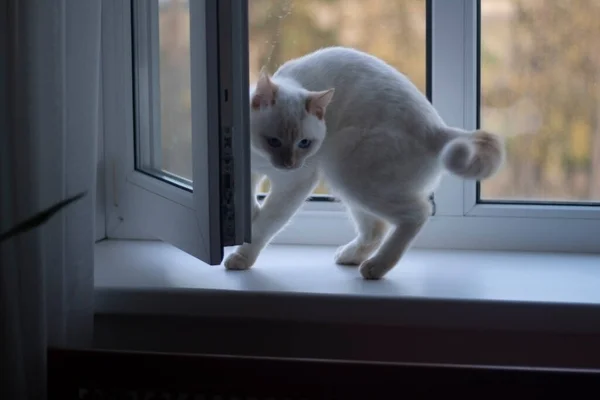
(137, 204)
(459, 223)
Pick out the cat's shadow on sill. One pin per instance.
(350, 280)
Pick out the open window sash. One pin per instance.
(213, 210)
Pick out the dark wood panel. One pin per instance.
(129, 375)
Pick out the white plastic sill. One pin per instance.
(438, 288)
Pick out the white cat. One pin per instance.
(378, 142)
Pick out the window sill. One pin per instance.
(445, 289)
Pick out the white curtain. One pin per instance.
(50, 91)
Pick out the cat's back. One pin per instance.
(344, 68)
(337, 65)
(363, 83)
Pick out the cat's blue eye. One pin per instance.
(273, 142)
(304, 143)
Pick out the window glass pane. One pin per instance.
(393, 30)
(540, 87)
(175, 93)
(163, 96)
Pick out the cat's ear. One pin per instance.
(317, 102)
(264, 94)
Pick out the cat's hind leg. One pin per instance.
(370, 231)
(408, 217)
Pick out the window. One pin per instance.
(469, 47)
(392, 30)
(176, 145)
(540, 71)
(168, 175)
(175, 103)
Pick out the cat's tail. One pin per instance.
(471, 155)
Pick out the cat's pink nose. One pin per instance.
(289, 164)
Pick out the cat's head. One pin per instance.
(287, 122)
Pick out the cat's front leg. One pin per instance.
(288, 193)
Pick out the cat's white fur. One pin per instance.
(377, 141)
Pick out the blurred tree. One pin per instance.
(553, 61)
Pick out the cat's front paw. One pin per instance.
(372, 269)
(237, 261)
